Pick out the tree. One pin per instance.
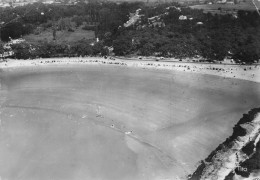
(148, 49)
(248, 52)
(22, 50)
(64, 24)
(104, 51)
(122, 45)
(13, 30)
(97, 48)
(81, 48)
(78, 20)
(54, 33)
(1, 49)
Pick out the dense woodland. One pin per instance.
(212, 37)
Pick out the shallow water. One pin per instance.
(107, 122)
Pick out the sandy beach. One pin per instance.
(96, 118)
(245, 72)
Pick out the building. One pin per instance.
(16, 4)
(48, 2)
(183, 18)
(157, 24)
(133, 19)
(4, 5)
(221, 2)
(13, 41)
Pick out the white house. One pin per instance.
(183, 18)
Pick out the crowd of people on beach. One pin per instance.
(247, 72)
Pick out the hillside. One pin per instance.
(61, 36)
(238, 156)
(164, 30)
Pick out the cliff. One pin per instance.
(238, 156)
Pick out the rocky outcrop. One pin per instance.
(238, 156)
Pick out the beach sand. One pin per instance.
(112, 119)
(236, 71)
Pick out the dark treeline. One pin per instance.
(23, 20)
(213, 37)
(46, 49)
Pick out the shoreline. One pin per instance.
(243, 72)
(228, 158)
(183, 116)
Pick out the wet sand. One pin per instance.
(112, 122)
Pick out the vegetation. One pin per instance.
(47, 49)
(61, 36)
(212, 37)
(252, 163)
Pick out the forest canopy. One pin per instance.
(168, 30)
